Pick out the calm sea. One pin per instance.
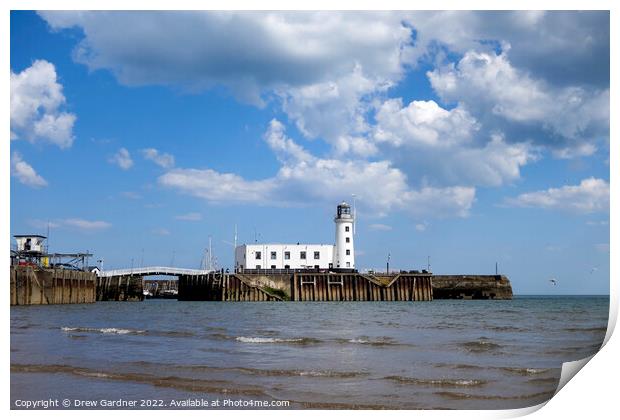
(401, 355)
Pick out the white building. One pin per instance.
(303, 256)
(30, 243)
(282, 256)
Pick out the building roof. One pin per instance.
(299, 244)
(30, 236)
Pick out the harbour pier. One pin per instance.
(306, 286)
(39, 286)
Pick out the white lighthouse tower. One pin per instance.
(344, 253)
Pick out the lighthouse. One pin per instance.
(344, 255)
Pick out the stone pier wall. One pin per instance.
(471, 287)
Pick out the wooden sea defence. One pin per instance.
(120, 288)
(38, 286)
(304, 286)
(226, 287)
(361, 287)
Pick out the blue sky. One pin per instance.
(471, 137)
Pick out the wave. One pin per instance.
(504, 328)
(480, 346)
(462, 396)
(524, 371)
(302, 373)
(176, 382)
(171, 333)
(112, 330)
(457, 366)
(587, 329)
(438, 382)
(544, 381)
(378, 341)
(25, 326)
(275, 340)
(103, 330)
(253, 371)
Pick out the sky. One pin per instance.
(467, 138)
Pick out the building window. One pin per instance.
(273, 267)
(258, 255)
(273, 255)
(348, 252)
(258, 267)
(346, 228)
(287, 267)
(348, 264)
(317, 255)
(347, 239)
(302, 255)
(287, 255)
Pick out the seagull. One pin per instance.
(593, 270)
(553, 281)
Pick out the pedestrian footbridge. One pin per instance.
(154, 271)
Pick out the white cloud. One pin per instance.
(36, 102)
(25, 173)
(165, 160)
(122, 159)
(335, 110)
(304, 178)
(443, 145)
(85, 225)
(322, 67)
(74, 223)
(423, 123)
(218, 187)
(591, 195)
(326, 68)
(493, 164)
(43, 224)
(285, 148)
(249, 52)
(190, 217)
(571, 152)
(330, 73)
(571, 38)
(487, 83)
(379, 227)
(421, 227)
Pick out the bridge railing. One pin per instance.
(151, 271)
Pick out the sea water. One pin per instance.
(447, 354)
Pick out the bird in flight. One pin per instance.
(593, 270)
(553, 281)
